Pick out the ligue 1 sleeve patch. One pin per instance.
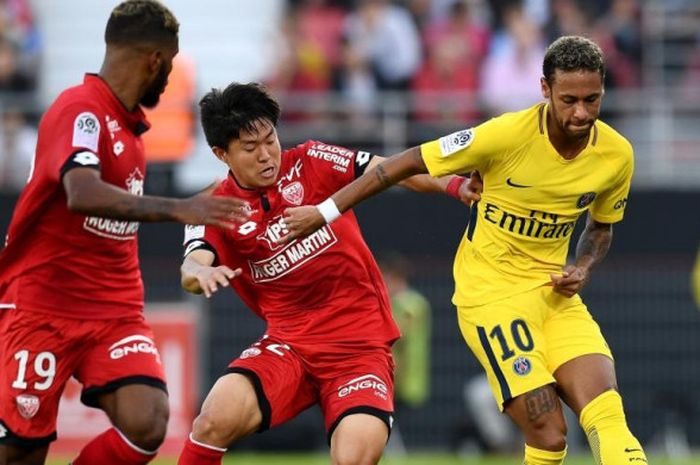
(456, 141)
(86, 131)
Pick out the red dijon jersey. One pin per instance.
(325, 288)
(66, 263)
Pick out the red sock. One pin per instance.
(197, 453)
(112, 448)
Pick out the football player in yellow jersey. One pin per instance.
(518, 304)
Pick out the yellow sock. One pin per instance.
(611, 441)
(543, 457)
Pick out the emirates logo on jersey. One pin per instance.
(293, 193)
(27, 405)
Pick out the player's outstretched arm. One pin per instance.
(197, 276)
(86, 193)
(464, 189)
(302, 221)
(592, 247)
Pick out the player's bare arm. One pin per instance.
(302, 221)
(464, 189)
(86, 193)
(198, 276)
(592, 247)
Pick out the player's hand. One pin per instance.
(205, 208)
(470, 190)
(211, 277)
(301, 221)
(570, 281)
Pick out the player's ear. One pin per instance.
(219, 153)
(544, 85)
(155, 60)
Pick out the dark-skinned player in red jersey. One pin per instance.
(71, 293)
(329, 326)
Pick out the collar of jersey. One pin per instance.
(136, 119)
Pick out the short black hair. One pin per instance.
(141, 21)
(572, 53)
(225, 113)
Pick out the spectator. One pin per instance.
(385, 36)
(17, 23)
(619, 35)
(17, 141)
(511, 73)
(444, 87)
(309, 51)
(12, 78)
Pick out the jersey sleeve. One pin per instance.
(469, 149)
(335, 166)
(609, 206)
(78, 136)
(203, 237)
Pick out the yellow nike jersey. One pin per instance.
(519, 232)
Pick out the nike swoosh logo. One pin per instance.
(512, 184)
(632, 450)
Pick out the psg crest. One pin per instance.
(522, 366)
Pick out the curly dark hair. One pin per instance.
(572, 53)
(225, 113)
(141, 21)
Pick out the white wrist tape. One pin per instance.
(328, 210)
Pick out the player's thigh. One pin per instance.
(282, 386)
(38, 356)
(507, 339)
(361, 382)
(14, 455)
(359, 439)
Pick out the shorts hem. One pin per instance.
(383, 415)
(263, 402)
(11, 439)
(89, 396)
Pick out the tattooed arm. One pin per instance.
(592, 247)
(391, 171)
(304, 220)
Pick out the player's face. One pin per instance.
(160, 80)
(254, 158)
(575, 98)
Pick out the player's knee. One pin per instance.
(367, 455)
(146, 430)
(547, 434)
(214, 430)
(358, 440)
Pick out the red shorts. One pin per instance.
(40, 352)
(287, 381)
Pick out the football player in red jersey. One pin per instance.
(329, 326)
(70, 284)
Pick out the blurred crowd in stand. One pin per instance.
(458, 59)
(20, 48)
(440, 62)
